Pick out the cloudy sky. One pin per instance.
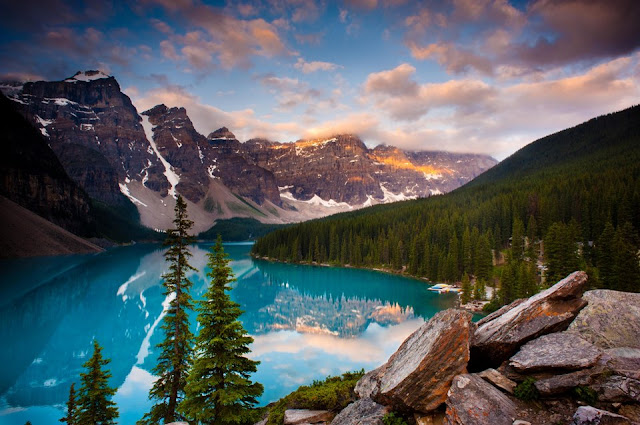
(468, 75)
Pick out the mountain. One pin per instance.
(123, 159)
(570, 189)
(32, 176)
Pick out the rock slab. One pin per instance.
(498, 380)
(587, 415)
(561, 350)
(303, 416)
(611, 320)
(473, 401)
(549, 311)
(418, 375)
(362, 412)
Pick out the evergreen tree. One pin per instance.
(465, 296)
(480, 290)
(94, 404)
(517, 239)
(218, 389)
(72, 411)
(627, 264)
(176, 349)
(605, 257)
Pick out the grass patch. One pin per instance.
(333, 393)
(393, 418)
(526, 390)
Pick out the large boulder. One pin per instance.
(563, 350)
(587, 415)
(549, 311)
(418, 375)
(362, 412)
(473, 401)
(611, 320)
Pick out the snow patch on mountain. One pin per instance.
(171, 176)
(392, 197)
(125, 191)
(86, 76)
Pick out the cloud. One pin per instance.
(309, 67)
(290, 92)
(495, 38)
(223, 40)
(403, 98)
(582, 30)
(393, 82)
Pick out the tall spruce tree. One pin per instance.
(176, 349)
(72, 410)
(219, 389)
(94, 404)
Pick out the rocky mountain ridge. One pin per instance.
(559, 357)
(114, 152)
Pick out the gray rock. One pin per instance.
(587, 415)
(303, 416)
(618, 388)
(473, 401)
(611, 320)
(521, 422)
(559, 384)
(498, 380)
(549, 311)
(418, 375)
(362, 412)
(625, 361)
(369, 384)
(561, 350)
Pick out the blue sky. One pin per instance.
(484, 76)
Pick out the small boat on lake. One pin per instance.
(443, 287)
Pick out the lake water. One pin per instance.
(308, 322)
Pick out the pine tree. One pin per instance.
(605, 256)
(465, 296)
(72, 411)
(176, 349)
(94, 404)
(218, 389)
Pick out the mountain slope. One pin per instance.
(25, 234)
(585, 176)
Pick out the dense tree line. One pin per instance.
(574, 196)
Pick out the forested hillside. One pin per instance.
(570, 201)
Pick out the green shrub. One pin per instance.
(332, 393)
(393, 418)
(526, 390)
(586, 394)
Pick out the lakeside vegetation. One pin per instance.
(571, 200)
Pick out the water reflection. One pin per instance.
(308, 322)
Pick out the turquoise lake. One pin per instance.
(308, 322)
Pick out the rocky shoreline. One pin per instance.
(559, 357)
